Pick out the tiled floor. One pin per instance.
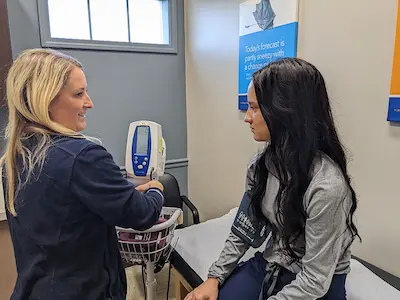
(135, 284)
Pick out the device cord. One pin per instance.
(144, 284)
(169, 279)
(151, 173)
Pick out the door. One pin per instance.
(5, 49)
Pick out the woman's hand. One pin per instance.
(152, 184)
(208, 290)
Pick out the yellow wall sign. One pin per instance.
(394, 99)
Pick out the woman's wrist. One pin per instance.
(156, 184)
(213, 281)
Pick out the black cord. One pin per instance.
(151, 173)
(169, 279)
(144, 284)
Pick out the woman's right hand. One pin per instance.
(208, 290)
(151, 184)
(156, 184)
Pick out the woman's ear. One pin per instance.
(49, 111)
(50, 108)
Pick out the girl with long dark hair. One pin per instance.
(300, 185)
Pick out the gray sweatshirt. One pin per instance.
(322, 247)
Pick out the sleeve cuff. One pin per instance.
(219, 278)
(158, 191)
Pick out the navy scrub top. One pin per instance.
(64, 235)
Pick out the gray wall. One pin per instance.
(124, 86)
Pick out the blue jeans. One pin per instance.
(246, 280)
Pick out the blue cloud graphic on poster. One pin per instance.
(259, 48)
(264, 15)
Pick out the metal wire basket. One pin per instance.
(150, 248)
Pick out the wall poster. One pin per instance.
(394, 98)
(268, 30)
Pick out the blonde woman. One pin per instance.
(64, 194)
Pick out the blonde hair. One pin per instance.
(33, 82)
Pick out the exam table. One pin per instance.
(200, 244)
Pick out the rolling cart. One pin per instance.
(150, 248)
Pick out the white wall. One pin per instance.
(219, 142)
(351, 42)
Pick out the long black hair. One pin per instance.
(292, 96)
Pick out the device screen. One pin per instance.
(142, 140)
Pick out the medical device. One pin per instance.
(145, 152)
(247, 226)
(145, 161)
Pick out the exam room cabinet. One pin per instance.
(5, 49)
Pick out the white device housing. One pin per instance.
(145, 152)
